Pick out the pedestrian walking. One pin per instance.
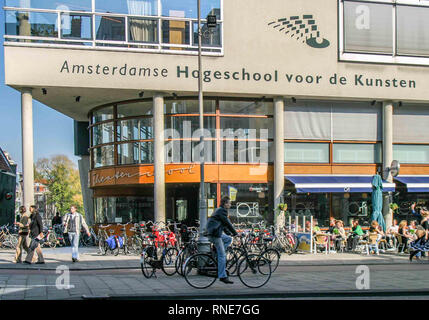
(23, 238)
(73, 222)
(217, 224)
(36, 235)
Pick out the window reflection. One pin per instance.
(110, 28)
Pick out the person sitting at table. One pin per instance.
(316, 228)
(354, 236)
(390, 234)
(339, 234)
(412, 229)
(404, 234)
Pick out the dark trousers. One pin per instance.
(352, 242)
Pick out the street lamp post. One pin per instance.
(203, 243)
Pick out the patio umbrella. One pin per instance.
(377, 201)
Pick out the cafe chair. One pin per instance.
(321, 242)
(372, 244)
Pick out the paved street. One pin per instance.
(300, 275)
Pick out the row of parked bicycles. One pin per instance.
(53, 237)
(253, 256)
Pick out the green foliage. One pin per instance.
(61, 177)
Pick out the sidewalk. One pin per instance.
(90, 259)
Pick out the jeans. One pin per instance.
(221, 245)
(74, 242)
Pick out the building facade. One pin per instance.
(7, 188)
(303, 103)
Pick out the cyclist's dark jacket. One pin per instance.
(219, 223)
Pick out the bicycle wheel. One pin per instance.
(232, 259)
(102, 246)
(200, 271)
(273, 256)
(52, 240)
(254, 271)
(169, 261)
(135, 245)
(146, 260)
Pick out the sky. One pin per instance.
(52, 131)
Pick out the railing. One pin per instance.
(108, 31)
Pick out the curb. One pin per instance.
(286, 294)
(312, 263)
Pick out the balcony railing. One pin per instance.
(111, 31)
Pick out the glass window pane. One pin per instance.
(102, 114)
(135, 129)
(67, 5)
(246, 107)
(303, 204)
(133, 7)
(133, 153)
(188, 127)
(356, 153)
(406, 153)
(246, 128)
(188, 8)
(135, 109)
(252, 201)
(246, 151)
(210, 38)
(368, 27)
(76, 26)
(176, 32)
(103, 156)
(143, 30)
(413, 30)
(102, 133)
(37, 24)
(189, 151)
(188, 106)
(307, 152)
(110, 28)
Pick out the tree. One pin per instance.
(61, 177)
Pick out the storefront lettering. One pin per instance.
(97, 179)
(240, 74)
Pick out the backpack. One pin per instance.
(113, 241)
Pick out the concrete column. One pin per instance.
(279, 172)
(87, 194)
(387, 156)
(159, 161)
(27, 147)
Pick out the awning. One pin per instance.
(335, 183)
(415, 183)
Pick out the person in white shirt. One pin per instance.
(391, 232)
(73, 222)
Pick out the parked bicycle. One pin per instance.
(201, 271)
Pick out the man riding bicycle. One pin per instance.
(217, 224)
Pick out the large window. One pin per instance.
(153, 25)
(234, 132)
(297, 152)
(384, 31)
(356, 153)
(408, 153)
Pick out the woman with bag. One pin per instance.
(36, 235)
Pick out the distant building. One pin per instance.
(46, 210)
(7, 188)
